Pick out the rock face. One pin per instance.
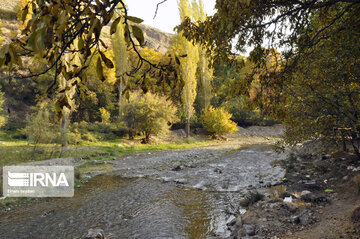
(8, 5)
(156, 39)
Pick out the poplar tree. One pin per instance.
(188, 65)
(206, 73)
(119, 45)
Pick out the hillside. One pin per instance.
(8, 5)
(154, 38)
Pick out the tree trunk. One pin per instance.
(120, 98)
(63, 133)
(63, 130)
(187, 124)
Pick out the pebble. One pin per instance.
(249, 229)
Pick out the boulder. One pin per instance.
(307, 196)
(249, 229)
(218, 170)
(305, 218)
(95, 233)
(176, 168)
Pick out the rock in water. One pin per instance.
(176, 168)
(95, 233)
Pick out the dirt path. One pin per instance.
(335, 221)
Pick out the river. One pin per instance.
(169, 194)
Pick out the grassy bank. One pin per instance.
(14, 152)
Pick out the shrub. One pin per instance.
(88, 137)
(105, 115)
(245, 116)
(148, 113)
(2, 113)
(217, 121)
(40, 127)
(98, 131)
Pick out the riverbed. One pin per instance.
(169, 194)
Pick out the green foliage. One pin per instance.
(41, 127)
(3, 117)
(189, 63)
(275, 23)
(121, 55)
(217, 121)
(322, 96)
(148, 113)
(182, 115)
(69, 41)
(204, 71)
(105, 115)
(93, 132)
(1, 39)
(245, 116)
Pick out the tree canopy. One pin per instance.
(66, 34)
(282, 24)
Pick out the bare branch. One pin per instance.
(157, 7)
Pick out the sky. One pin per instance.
(167, 16)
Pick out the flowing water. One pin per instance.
(170, 194)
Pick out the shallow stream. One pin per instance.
(169, 194)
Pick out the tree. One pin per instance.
(59, 28)
(323, 93)
(0, 34)
(148, 113)
(96, 94)
(313, 83)
(42, 119)
(188, 66)
(121, 60)
(205, 72)
(2, 111)
(282, 24)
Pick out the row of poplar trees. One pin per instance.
(195, 59)
(193, 65)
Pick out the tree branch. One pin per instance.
(157, 7)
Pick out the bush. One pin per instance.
(148, 113)
(243, 116)
(93, 132)
(40, 127)
(217, 121)
(2, 112)
(105, 115)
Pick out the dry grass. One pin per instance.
(277, 192)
